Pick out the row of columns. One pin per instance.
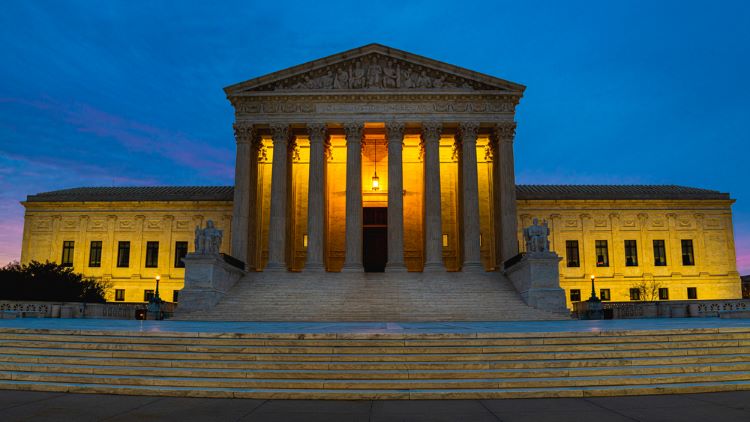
(246, 188)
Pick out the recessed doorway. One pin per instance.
(374, 239)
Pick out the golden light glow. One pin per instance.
(375, 182)
(304, 240)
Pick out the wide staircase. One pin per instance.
(446, 296)
(376, 366)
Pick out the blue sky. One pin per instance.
(108, 93)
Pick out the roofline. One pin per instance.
(230, 90)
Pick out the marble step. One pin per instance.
(597, 391)
(372, 365)
(344, 348)
(377, 373)
(384, 384)
(380, 357)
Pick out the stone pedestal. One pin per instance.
(536, 276)
(207, 279)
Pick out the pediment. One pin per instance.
(374, 68)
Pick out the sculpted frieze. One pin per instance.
(375, 72)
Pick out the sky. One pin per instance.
(122, 93)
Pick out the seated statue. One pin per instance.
(535, 237)
(208, 240)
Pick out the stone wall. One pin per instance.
(708, 223)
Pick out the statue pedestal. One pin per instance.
(207, 279)
(536, 276)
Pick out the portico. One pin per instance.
(311, 138)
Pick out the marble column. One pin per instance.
(433, 227)
(395, 142)
(353, 258)
(240, 230)
(316, 199)
(471, 254)
(505, 132)
(279, 198)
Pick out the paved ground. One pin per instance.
(36, 406)
(372, 327)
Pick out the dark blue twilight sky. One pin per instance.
(99, 93)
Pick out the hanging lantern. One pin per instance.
(375, 178)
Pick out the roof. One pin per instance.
(226, 193)
(370, 50)
(642, 192)
(133, 193)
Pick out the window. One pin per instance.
(175, 295)
(119, 295)
(631, 253)
(602, 253)
(67, 253)
(692, 293)
(575, 295)
(123, 254)
(152, 254)
(604, 295)
(95, 254)
(571, 251)
(180, 251)
(660, 253)
(688, 258)
(663, 293)
(148, 295)
(635, 294)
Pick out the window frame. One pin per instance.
(688, 244)
(635, 294)
(68, 253)
(601, 295)
(119, 295)
(664, 290)
(660, 245)
(631, 251)
(600, 245)
(577, 293)
(123, 254)
(148, 294)
(95, 254)
(152, 254)
(571, 250)
(177, 255)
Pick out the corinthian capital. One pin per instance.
(354, 131)
(244, 133)
(505, 131)
(317, 132)
(280, 132)
(395, 131)
(468, 131)
(431, 131)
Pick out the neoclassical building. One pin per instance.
(379, 160)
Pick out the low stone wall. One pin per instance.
(109, 310)
(667, 308)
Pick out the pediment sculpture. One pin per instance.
(375, 72)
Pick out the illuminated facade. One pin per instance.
(379, 160)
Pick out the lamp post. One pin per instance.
(158, 299)
(154, 305)
(593, 306)
(593, 291)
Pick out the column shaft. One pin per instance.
(353, 258)
(316, 199)
(471, 256)
(433, 226)
(279, 178)
(508, 213)
(395, 134)
(241, 210)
